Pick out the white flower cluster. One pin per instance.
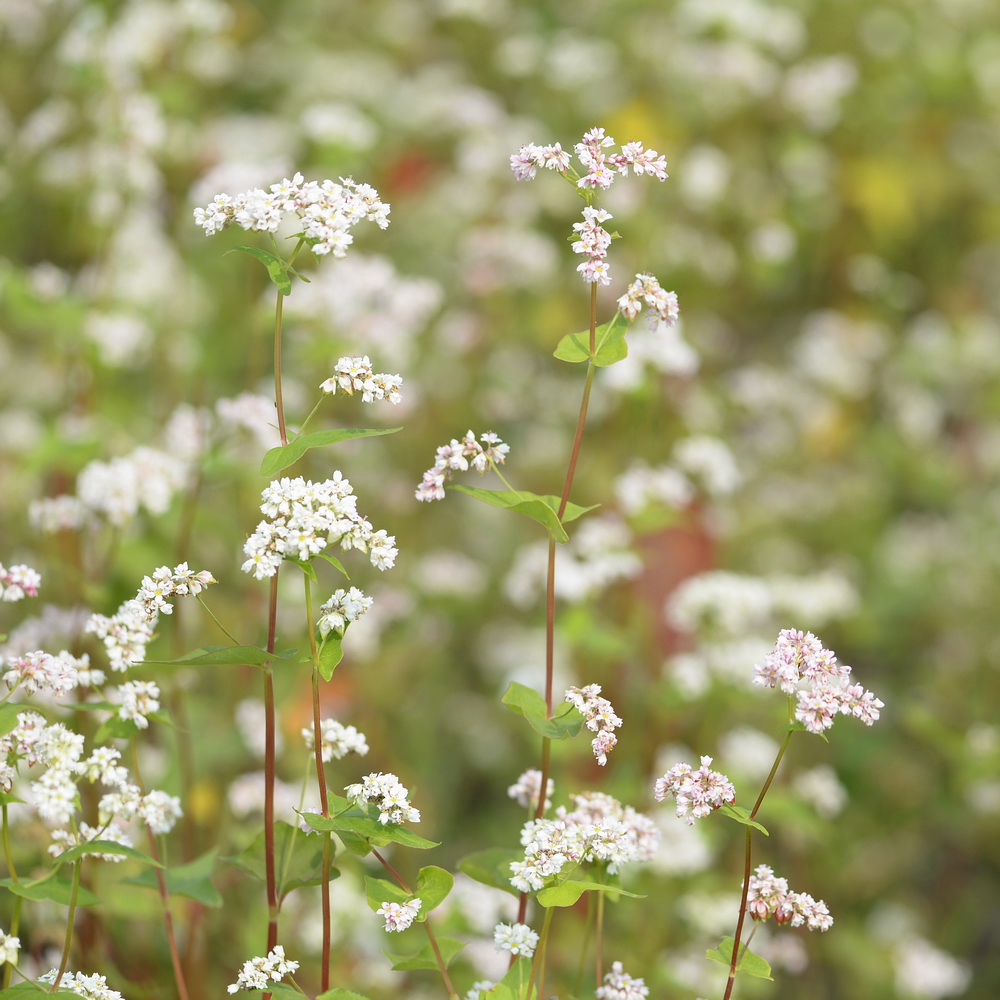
(385, 792)
(258, 972)
(339, 611)
(39, 671)
(399, 916)
(698, 793)
(598, 829)
(166, 582)
(460, 455)
(337, 740)
(518, 939)
(10, 945)
(93, 986)
(328, 211)
(619, 985)
(600, 718)
(646, 288)
(125, 634)
(525, 789)
(63, 840)
(799, 664)
(353, 375)
(768, 896)
(138, 700)
(18, 582)
(116, 491)
(304, 518)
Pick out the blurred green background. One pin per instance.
(821, 450)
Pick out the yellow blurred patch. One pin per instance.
(203, 801)
(831, 431)
(642, 121)
(883, 191)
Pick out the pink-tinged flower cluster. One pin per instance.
(353, 375)
(663, 304)
(165, 583)
(619, 985)
(696, 792)
(399, 916)
(460, 456)
(599, 829)
(600, 168)
(799, 664)
(525, 790)
(258, 972)
(600, 718)
(40, 671)
(387, 794)
(18, 582)
(768, 896)
(304, 518)
(328, 211)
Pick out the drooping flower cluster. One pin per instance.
(18, 582)
(304, 518)
(337, 740)
(599, 172)
(460, 455)
(258, 972)
(599, 829)
(600, 718)
(93, 986)
(40, 671)
(619, 985)
(518, 939)
(339, 611)
(399, 916)
(125, 634)
(328, 211)
(663, 304)
(799, 663)
(768, 896)
(353, 375)
(697, 792)
(165, 583)
(387, 794)
(525, 790)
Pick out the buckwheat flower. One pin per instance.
(92, 986)
(58, 747)
(160, 811)
(610, 833)
(460, 456)
(337, 740)
(525, 790)
(548, 846)
(9, 947)
(54, 795)
(138, 700)
(399, 916)
(600, 718)
(646, 289)
(478, 987)
(697, 792)
(62, 513)
(768, 895)
(355, 375)
(165, 583)
(343, 608)
(18, 582)
(518, 939)
(258, 972)
(39, 671)
(102, 765)
(123, 804)
(619, 985)
(125, 634)
(387, 794)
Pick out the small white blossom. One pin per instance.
(258, 972)
(399, 916)
(518, 939)
(387, 794)
(338, 740)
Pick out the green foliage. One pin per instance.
(192, 880)
(544, 510)
(280, 458)
(749, 963)
(609, 340)
(425, 958)
(301, 859)
(523, 701)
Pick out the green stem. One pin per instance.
(269, 773)
(8, 854)
(312, 414)
(538, 965)
(229, 635)
(278, 401)
(70, 916)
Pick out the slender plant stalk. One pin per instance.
(538, 965)
(442, 967)
(68, 941)
(269, 771)
(321, 781)
(16, 918)
(747, 863)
